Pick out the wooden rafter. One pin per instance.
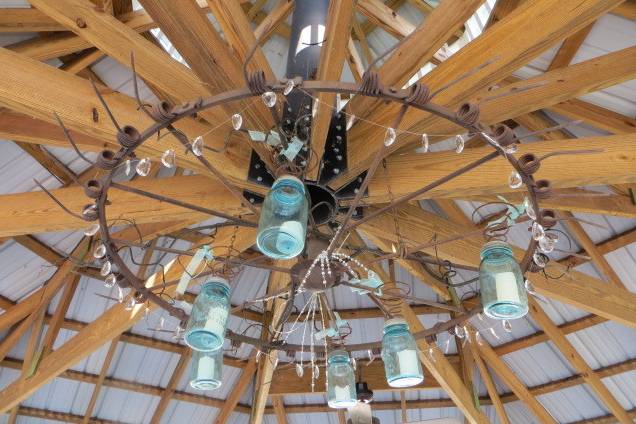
(110, 324)
(268, 361)
(333, 53)
(517, 32)
(567, 349)
(574, 288)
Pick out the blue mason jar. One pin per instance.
(206, 327)
(399, 352)
(341, 382)
(206, 370)
(503, 293)
(282, 225)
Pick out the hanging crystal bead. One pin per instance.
(510, 149)
(269, 98)
(527, 204)
(459, 331)
(168, 158)
(540, 259)
(143, 167)
(89, 210)
(514, 180)
(197, 146)
(128, 167)
(459, 143)
(106, 268)
(389, 137)
(130, 303)
(92, 230)
(289, 86)
(547, 243)
(537, 231)
(100, 251)
(237, 121)
(507, 326)
(110, 280)
(425, 144)
(529, 287)
(300, 371)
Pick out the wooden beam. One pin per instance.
(574, 288)
(286, 382)
(355, 61)
(167, 394)
(112, 323)
(275, 21)
(503, 42)
(574, 200)
(133, 386)
(46, 292)
(614, 163)
(26, 20)
(568, 49)
(117, 40)
(333, 53)
(45, 48)
(100, 380)
(607, 246)
(39, 90)
(56, 321)
(488, 381)
(43, 157)
(39, 248)
(38, 213)
(578, 362)
(386, 18)
(514, 383)
(595, 116)
(428, 38)
(584, 240)
(626, 10)
(267, 363)
(237, 392)
(279, 409)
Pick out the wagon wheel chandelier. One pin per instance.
(291, 222)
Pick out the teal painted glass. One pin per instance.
(206, 327)
(399, 354)
(206, 370)
(283, 222)
(341, 382)
(503, 293)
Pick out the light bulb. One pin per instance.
(459, 143)
(425, 144)
(92, 230)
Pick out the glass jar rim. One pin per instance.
(290, 180)
(216, 282)
(339, 354)
(494, 245)
(395, 321)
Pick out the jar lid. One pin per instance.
(395, 321)
(495, 244)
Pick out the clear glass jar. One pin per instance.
(503, 293)
(206, 370)
(399, 352)
(282, 225)
(341, 382)
(206, 327)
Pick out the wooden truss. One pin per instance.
(83, 31)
